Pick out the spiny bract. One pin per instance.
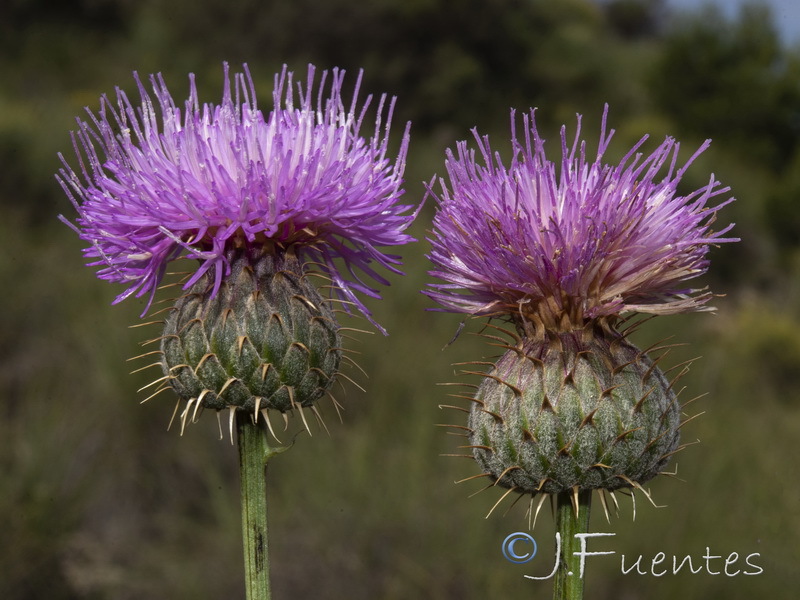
(583, 408)
(266, 340)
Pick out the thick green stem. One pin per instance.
(254, 452)
(569, 521)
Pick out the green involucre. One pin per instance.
(578, 409)
(266, 340)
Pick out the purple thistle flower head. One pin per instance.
(560, 246)
(155, 182)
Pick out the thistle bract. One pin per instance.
(582, 408)
(560, 253)
(265, 340)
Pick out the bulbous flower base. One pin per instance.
(266, 340)
(579, 410)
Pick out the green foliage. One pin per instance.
(732, 81)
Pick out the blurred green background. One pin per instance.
(99, 500)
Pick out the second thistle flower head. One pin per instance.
(561, 250)
(257, 199)
(556, 245)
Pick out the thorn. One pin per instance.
(483, 489)
(341, 349)
(285, 421)
(347, 302)
(654, 366)
(508, 332)
(686, 364)
(496, 504)
(256, 409)
(143, 355)
(497, 418)
(479, 475)
(454, 427)
(537, 361)
(588, 419)
(515, 389)
(690, 419)
(621, 437)
(635, 486)
(156, 393)
(574, 499)
(476, 446)
(614, 498)
(513, 504)
(655, 346)
(350, 361)
(675, 379)
(538, 508)
(356, 330)
(159, 380)
(319, 419)
(602, 494)
(337, 406)
(607, 392)
(463, 397)
(162, 310)
(678, 449)
(174, 412)
(473, 362)
(219, 426)
(688, 402)
(225, 386)
(198, 403)
(618, 369)
(265, 414)
(307, 302)
(638, 406)
(635, 325)
(137, 325)
(461, 408)
(469, 385)
(340, 374)
(487, 336)
(185, 414)
(231, 415)
(202, 360)
(504, 473)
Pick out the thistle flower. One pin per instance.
(260, 201)
(562, 252)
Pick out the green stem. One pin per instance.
(254, 452)
(569, 521)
